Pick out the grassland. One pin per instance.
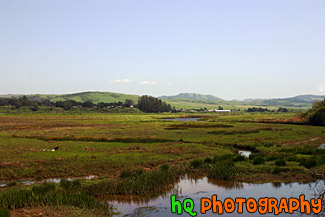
(111, 145)
(94, 97)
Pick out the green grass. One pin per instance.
(106, 144)
(95, 97)
(142, 154)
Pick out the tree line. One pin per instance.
(145, 104)
(255, 109)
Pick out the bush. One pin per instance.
(76, 183)
(280, 163)
(11, 184)
(207, 160)
(277, 170)
(321, 160)
(316, 115)
(223, 171)
(306, 150)
(196, 163)
(65, 184)
(128, 174)
(255, 155)
(43, 188)
(271, 158)
(308, 162)
(4, 212)
(259, 160)
(239, 157)
(164, 167)
(224, 157)
(292, 158)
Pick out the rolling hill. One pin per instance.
(83, 97)
(185, 100)
(297, 101)
(194, 96)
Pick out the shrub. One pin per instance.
(224, 157)
(196, 163)
(128, 174)
(277, 170)
(321, 160)
(316, 115)
(306, 150)
(259, 160)
(280, 163)
(65, 184)
(271, 158)
(223, 170)
(164, 167)
(43, 188)
(76, 183)
(11, 184)
(4, 212)
(255, 155)
(239, 157)
(292, 158)
(308, 162)
(207, 160)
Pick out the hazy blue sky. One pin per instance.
(231, 49)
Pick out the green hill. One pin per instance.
(185, 100)
(193, 96)
(83, 97)
(297, 101)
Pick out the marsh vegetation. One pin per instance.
(143, 154)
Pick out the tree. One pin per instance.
(282, 109)
(34, 106)
(152, 104)
(24, 101)
(15, 102)
(66, 105)
(88, 104)
(316, 115)
(128, 102)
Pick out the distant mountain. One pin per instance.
(195, 100)
(193, 96)
(82, 97)
(296, 101)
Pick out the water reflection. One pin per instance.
(195, 189)
(276, 184)
(226, 184)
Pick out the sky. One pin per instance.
(232, 49)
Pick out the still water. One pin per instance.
(196, 189)
(55, 180)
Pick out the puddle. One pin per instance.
(196, 189)
(58, 180)
(181, 119)
(244, 153)
(55, 180)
